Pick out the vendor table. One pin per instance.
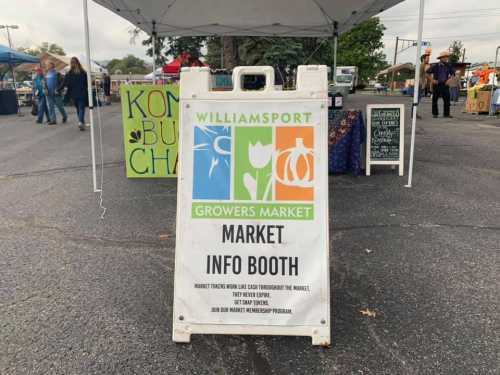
(346, 135)
(24, 96)
(8, 102)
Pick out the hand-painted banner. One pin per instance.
(151, 129)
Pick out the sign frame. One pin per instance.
(399, 162)
(195, 88)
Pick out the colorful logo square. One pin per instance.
(212, 162)
(253, 163)
(294, 171)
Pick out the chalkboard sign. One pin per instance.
(385, 136)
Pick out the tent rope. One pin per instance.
(99, 122)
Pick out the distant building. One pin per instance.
(402, 72)
(129, 79)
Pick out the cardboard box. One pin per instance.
(478, 101)
(483, 101)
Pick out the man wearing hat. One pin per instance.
(441, 74)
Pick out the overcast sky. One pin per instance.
(60, 21)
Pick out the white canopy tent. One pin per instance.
(152, 76)
(298, 18)
(61, 64)
(246, 17)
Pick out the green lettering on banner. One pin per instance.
(261, 211)
(150, 129)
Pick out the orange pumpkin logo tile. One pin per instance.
(294, 164)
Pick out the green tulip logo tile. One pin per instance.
(253, 164)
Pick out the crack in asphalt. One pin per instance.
(393, 353)
(106, 241)
(424, 225)
(41, 172)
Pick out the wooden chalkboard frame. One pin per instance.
(400, 161)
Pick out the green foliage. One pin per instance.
(278, 52)
(213, 56)
(456, 51)
(44, 47)
(360, 47)
(128, 65)
(171, 47)
(178, 45)
(160, 57)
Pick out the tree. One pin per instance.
(128, 65)
(160, 58)
(223, 48)
(170, 47)
(44, 47)
(213, 56)
(456, 51)
(360, 47)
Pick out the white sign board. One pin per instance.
(252, 213)
(385, 136)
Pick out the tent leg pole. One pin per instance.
(335, 46)
(90, 96)
(153, 40)
(15, 89)
(416, 92)
(492, 105)
(222, 52)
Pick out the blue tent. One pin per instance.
(13, 57)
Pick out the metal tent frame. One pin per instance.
(160, 18)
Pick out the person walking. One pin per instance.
(455, 88)
(76, 83)
(54, 98)
(424, 78)
(40, 93)
(59, 97)
(106, 80)
(441, 74)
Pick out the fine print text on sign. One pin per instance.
(385, 136)
(252, 248)
(150, 129)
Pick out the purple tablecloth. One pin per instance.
(346, 135)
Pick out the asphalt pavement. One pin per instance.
(85, 295)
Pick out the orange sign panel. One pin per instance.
(294, 163)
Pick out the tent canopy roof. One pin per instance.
(299, 18)
(61, 63)
(397, 68)
(11, 56)
(184, 59)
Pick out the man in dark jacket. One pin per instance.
(441, 74)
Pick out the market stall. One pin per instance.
(211, 119)
(61, 64)
(8, 56)
(183, 60)
(320, 18)
(481, 94)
